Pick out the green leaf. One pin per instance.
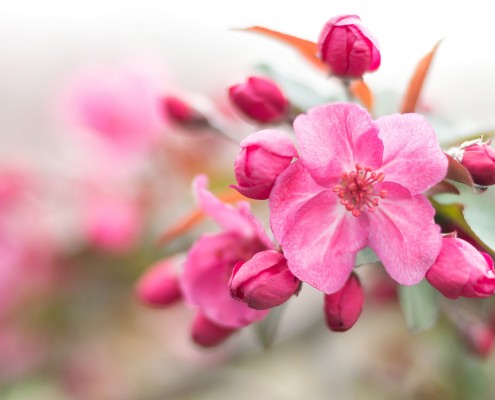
(478, 211)
(266, 330)
(419, 305)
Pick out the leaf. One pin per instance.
(308, 49)
(416, 83)
(266, 330)
(363, 93)
(366, 256)
(441, 187)
(474, 213)
(191, 220)
(419, 305)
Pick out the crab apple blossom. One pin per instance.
(479, 159)
(348, 48)
(159, 286)
(264, 281)
(260, 99)
(461, 270)
(358, 183)
(208, 334)
(263, 157)
(210, 262)
(343, 308)
(182, 114)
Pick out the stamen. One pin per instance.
(356, 190)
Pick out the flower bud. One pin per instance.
(348, 48)
(461, 270)
(159, 286)
(208, 334)
(478, 337)
(479, 160)
(263, 157)
(342, 308)
(264, 281)
(260, 99)
(183, 114)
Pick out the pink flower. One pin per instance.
(348, 48)
(208, 334)
(358, 183)
(209, 264)
(461, 270)
(112, 223)
(260, 99)
(159, 286)
(343, 308)
(181, 113)
(264, 281)
(263, 157)
(479, 160)
(119, 106)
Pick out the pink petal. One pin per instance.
(403, 234)
(208, 334)
(319, 237)
(412, 156)
(224, 214)
(204, 281)
(373, 42)
(334, 137)
(159, 286)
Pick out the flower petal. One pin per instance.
(334, 137)
(204, 281)
(412, 156)
(319, 237)
(228, 217)
(404, 234)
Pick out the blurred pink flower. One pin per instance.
(461, 270)
(348, 48)
(358, 183)
(209, 264)
(263, 157)
(112, 223)
(120, 106)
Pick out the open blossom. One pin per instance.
(263, 157)
(358, 183)
(461, 270)
(348, 48)
(209, 264)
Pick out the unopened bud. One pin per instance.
(260, 99)
(264, 281)
(342, 308)
(208, 334)
(159, 286)
(461, 270)
(182, 114)
(479, 159)
(263, 157)
(348, 48)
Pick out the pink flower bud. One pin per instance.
(263, 157)
(478, 337)
(342, 308)
(159, 286)
(348, 48)
(479, 160)
(183, 114)
(461, 270)
(264, 281)
(208, 334)
(260, 99)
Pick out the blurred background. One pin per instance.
(93, 171)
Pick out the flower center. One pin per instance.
(355, 190)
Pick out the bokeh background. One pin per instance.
(81, 211)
